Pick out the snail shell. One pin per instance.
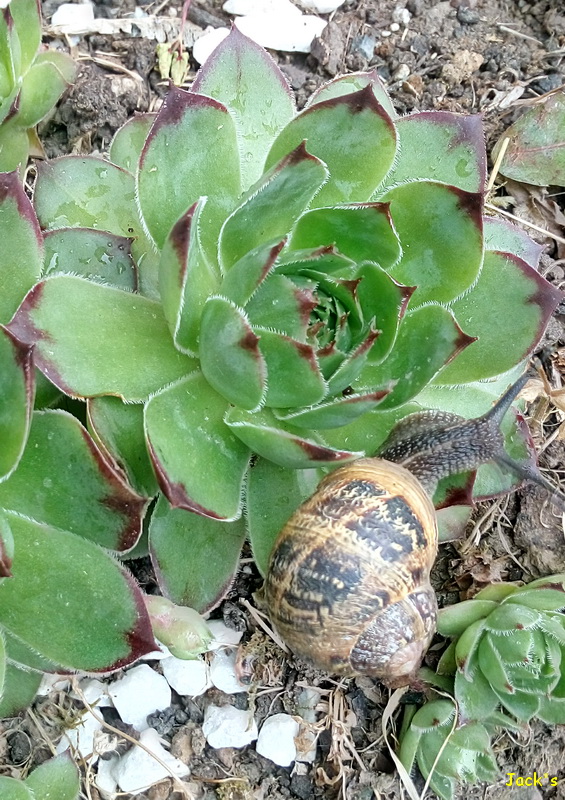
(348, 581)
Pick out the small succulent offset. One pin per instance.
(504, 667)
(31, 82)
(246, 297)
(57, 777)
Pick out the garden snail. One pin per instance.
(348, 584)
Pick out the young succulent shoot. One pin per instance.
(31, 81)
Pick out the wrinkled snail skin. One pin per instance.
(348, 583)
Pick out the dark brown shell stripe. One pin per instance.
(362, 528)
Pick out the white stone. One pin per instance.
(246, 7)
(104, 779)
(187, 678)
(394, 26)
(222, 635)
(73, 18)
(223, 673)
(282, 31)
(95, 692)
(276, 739)
(205, 45)
(401, 73)
(401, 15)
(137, 770)
(322, 6)
(226, 726)
(139, 693)
(81, 737)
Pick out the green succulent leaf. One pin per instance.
(435, 224)
(453, 620)
(268, 210)
(42, 86)
(541, 599)
(434, 715)
(90, 339)
(293, 373)
(200, 464)
(362, 232)
(515, 316)
(27, 25)
(248, 275)
(186, 279)
(501, 236)
(413, 360)
(466, 647)
(168, 186)
(128, 141)
(279, 442)
(195, 557)
(16, 399)
(536, 152)
(493, 667)
(497, 592)
(335, 413)
(232, 361)
(58, 777)
(25, 657)
(86, 192)
(554, 626)
(243, 77)
(273, 495)
(20, 687)
(14, 145)
(117, 428)
(92, 254)
(509, 617)
(522, 705)
(347, 84)
(475, 697)
(13, 789)
(440, 146)
(353, 135)
(21, 255)
(551, 710)
(64, 481)
(34, 602)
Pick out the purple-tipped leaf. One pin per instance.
(91, 339)
(353, 135)
(279, 442)
(440, 146)
(16, 399)
(66, 618)
(230, 356)
(507, 238)
(294, 377)
(283, 306)
(190, 152)
(362, 232)
(200, 464)
(244, 77)
(21, 252)
(347, 84)
(508, 323)
(270, 208)
(186, 279)
(63, 480)
(246, 276)
(335, 413)
(427, 339)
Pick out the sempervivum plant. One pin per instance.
(247, 296)
(31, 82)
(503, 667)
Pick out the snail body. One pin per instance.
(348, 583)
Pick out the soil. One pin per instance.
(487, 56)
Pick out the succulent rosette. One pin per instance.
(31, 82)
(247, 296)
(503, 667)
